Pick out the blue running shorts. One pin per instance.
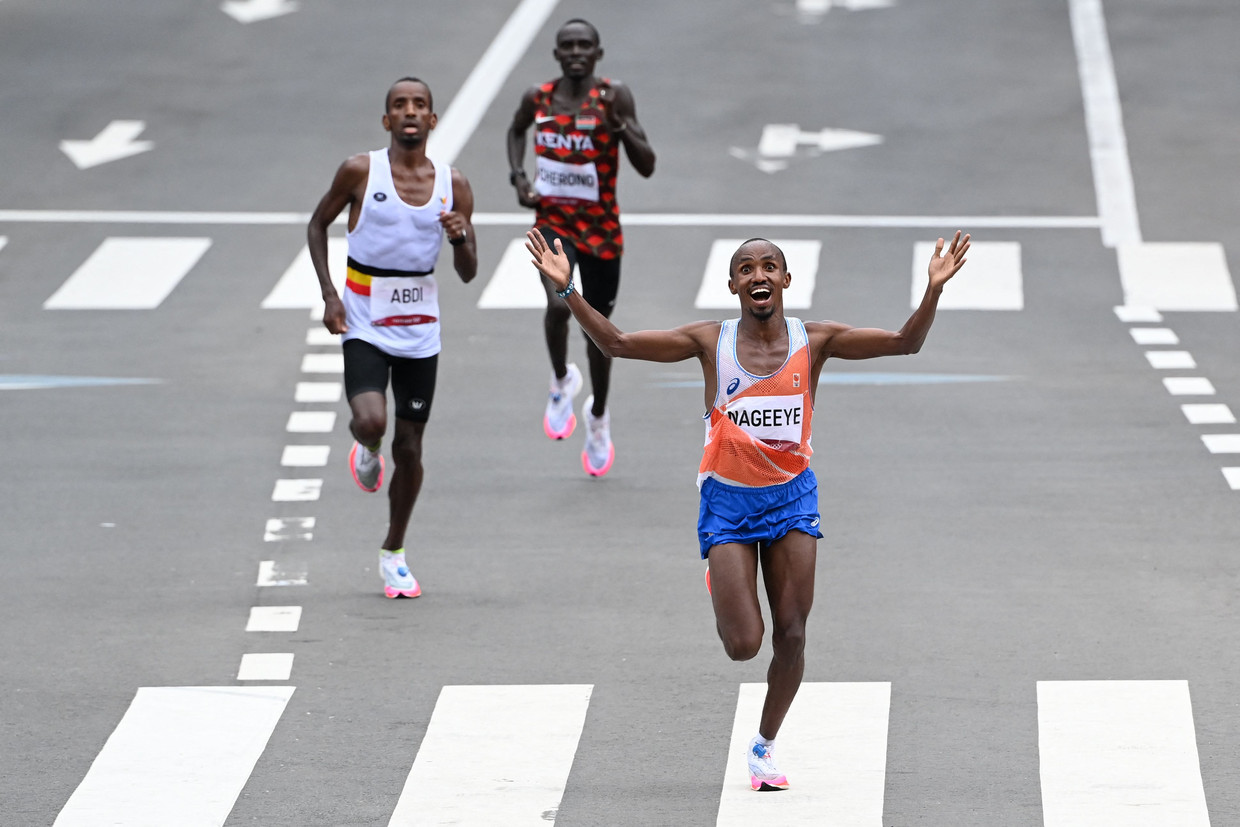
(733, 514)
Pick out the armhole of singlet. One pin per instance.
(720, 382)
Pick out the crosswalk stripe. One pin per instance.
(515, 283)
(992, 279)
(802, 257)
(128, 274)
(1120, 753)
(494, 755)
(298, 288)
(145, 778)
(1176, 276)
(3, 241)
(832, 745)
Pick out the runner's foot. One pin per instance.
(559, 419)
(397, 579)
(366, 466)
(599, 453)
(763, 774)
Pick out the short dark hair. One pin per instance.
(387, 99)
(783, 262)
(597, 39)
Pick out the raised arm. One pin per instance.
(684, 342)
(343, 193)
(844, 342)
(522, 120)
(459, 228)
(622, 120)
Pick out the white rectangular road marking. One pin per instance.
(180, 755)
(1154, 336)
(1176, 276)
(1212, 413)
(129, 274)
(1130, 313)
(1232, 475)
(274, 619)
(1189, 386)
(265, 666)
(305, 456)
(1222, 443)
(321, 336)
(833, 747)
(992, 279)
(311, 422)
(802, 256)
(1170, 359)
(317, 392)
(299, 286)
(475, 765)
(1119, 753)
(289, 528)
(515, 283)
(272, 574)
(3, 241)
(296, 491)
(322, 363)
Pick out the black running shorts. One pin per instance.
(366, 368)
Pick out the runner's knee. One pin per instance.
(742, 644)
(788, 639)
(369, 427)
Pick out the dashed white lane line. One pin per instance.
(319, 336)
(318, 392)
(322, 363)
(271, 573)
(280, 529)
(311, 422)
(294, 491)
(1232, 475)
(1136, 314)
(1222, 443)
(274, 619)
(266, 666)
(1188, 386)
(1208, 414)
(1154, 336)
(1170, 359)
(305, 456)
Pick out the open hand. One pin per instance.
(944, 266)
(553, 264)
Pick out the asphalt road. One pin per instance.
(1063, 523)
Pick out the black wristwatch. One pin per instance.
(514, 175)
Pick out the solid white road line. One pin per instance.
(1177, 276)
(1104, 124)
(833, 748)
(515, 283)
(296, 491)
(317, 392)
(299, 286)
(305, 456)
(311, 422)
(1188, 386)
(802, 256)
(128, 274)
(265, 666)
(1154, 336)
(999, 284)
(1213, 413)
(1119, 753)
(274, 619)
(288, 528)
(494, 755)
(1222, 443)
(181, 755)
(1170, 359)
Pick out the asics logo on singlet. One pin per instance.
(577, 143)
(380, 196)
(733, 385)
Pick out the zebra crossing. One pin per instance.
(1121, 753)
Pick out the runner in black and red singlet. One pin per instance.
(580, 122)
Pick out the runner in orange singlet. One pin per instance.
(759, 503)
(580, 122)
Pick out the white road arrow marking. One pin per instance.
(251, 11)
(783, 141)
(114, 142)
(811, 11)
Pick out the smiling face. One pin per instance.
(759, 274)
(577, 49)
(409, 115)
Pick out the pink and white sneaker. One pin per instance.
(366, 466)
(599, 452)
(398, 581)
(559, 421)
(763, 774)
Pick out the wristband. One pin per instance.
(457, 241)
(567, 291)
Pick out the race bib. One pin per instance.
(403, 300)
(776, 420)
(575, 182)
